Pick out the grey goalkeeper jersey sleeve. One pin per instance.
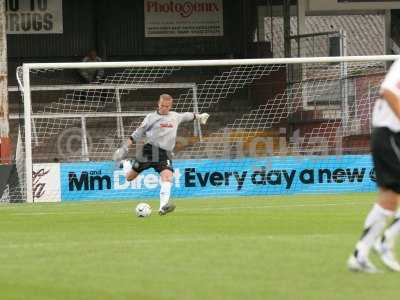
(160, 130)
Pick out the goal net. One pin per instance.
(277, 126)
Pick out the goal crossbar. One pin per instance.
(210, 62)
(75, 87)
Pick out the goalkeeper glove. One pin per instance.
(121, 153)
(203, 118)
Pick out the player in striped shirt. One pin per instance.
(385, 148)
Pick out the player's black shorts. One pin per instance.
(152, 157)
(385, 147)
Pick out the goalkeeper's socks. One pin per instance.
(392, 232)
(373, 227)
(126, 167)
(165, 192)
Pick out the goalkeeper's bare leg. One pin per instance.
(130, 174)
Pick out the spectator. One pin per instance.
(91, 75)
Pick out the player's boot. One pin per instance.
(386, 253)
(361, 264)
(167, 208)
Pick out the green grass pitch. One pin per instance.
(226, 248)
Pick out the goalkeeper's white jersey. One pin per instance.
(383, 115)
(160, 130)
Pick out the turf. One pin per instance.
(242, 248)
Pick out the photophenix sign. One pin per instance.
(205, 177)
(183, 18)
(34, 16)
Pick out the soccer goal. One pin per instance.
(289, 125)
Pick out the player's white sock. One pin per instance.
(373, 227)
(126, 167)
(165, 192)
(393, 230)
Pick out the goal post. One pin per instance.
(316, 99)
(28, 132)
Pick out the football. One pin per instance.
(143, 210)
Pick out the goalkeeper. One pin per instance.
(159, 129)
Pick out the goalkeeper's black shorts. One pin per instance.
(152, 157)
(385, 148)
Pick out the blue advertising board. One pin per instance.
(223, 177)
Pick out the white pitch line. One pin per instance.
(225, 208)
(163, 240)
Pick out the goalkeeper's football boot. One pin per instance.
(361, 264)
(167, 208)
(386, 253)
